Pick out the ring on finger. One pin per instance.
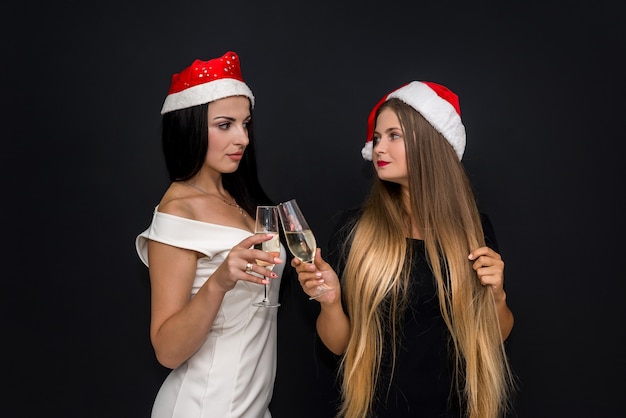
(248, 268)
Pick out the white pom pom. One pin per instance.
(366, 152)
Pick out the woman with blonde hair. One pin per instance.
(419, 314)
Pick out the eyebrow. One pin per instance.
(229, 118)
(224, 117)
(390, 129)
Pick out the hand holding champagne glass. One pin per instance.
(300, 238)
(267, 223)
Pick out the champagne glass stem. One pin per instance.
(266, 221)
(265, 298)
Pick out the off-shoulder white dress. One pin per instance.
(232, 374)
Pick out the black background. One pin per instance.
(542, 98)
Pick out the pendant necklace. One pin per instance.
(234, 205)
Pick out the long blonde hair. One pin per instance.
(444, 210)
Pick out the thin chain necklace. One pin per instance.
(235, 205)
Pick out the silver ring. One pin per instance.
(248, 268)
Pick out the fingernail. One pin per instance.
(277, 260)
(318, 274)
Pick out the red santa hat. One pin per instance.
(207, 81)
(436, 103)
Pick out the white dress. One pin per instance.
(232, 373)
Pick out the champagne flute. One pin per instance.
(267, 223)
(300, 238)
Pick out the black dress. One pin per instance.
(421, 385)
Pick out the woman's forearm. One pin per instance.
(333, 327)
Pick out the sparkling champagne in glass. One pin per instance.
(300, 238)
(267, 223)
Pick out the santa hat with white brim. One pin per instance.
(206, 81)
(436, 103)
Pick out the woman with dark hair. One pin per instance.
(200, 252)
(419, 314)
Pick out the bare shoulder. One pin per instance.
(186, 202)
(177, 201)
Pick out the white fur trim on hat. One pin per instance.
(205, 93)
(439, 112)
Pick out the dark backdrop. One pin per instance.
(541, 89)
